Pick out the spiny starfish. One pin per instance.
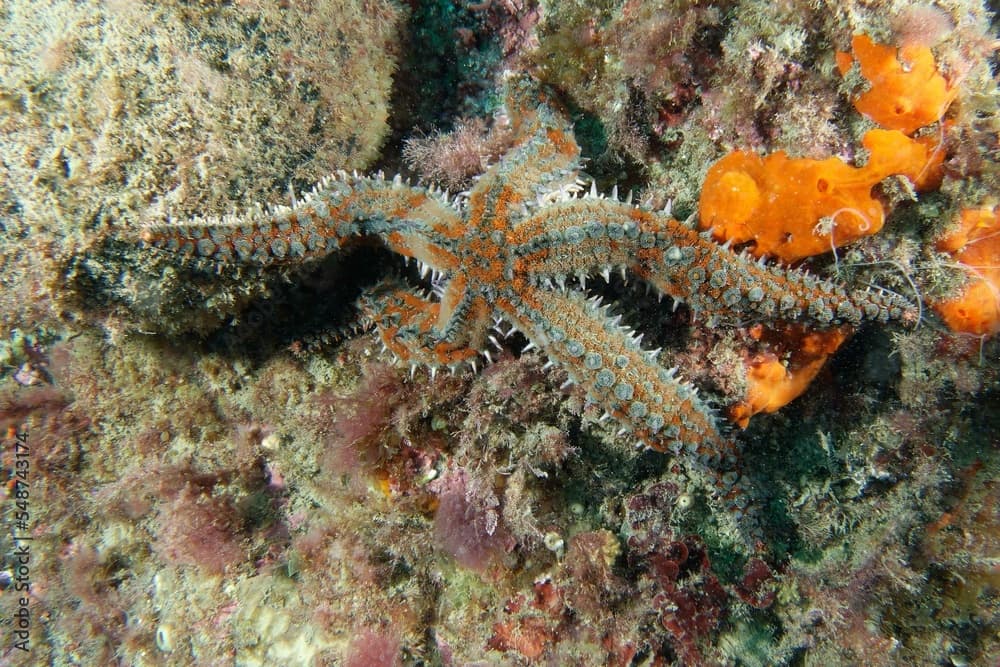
(503, 252)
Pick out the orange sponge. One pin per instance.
(907, 92)
(976, 245)
(772, 383)
(778, 204)
(796, 208)
(892, 152)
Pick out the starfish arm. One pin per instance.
(464, 317)
(409, 325)
(646, 399)
(582, 236)
(544, 159)
(589, 235)
(410, 221)
(711, 279)
(733, 505)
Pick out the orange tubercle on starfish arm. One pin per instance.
(562, 143)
